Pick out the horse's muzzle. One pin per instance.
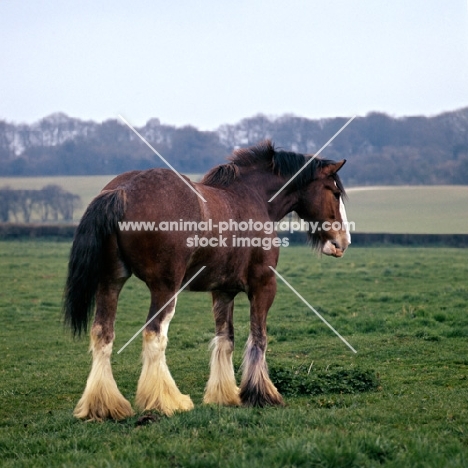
(334, 249)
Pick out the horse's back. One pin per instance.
(120, 180)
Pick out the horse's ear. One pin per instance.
(341, 164)
(333, 168)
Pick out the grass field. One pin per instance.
(87, 187)
(403, 309)
(415, 210)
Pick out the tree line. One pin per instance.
(380, 149)
(51, 203)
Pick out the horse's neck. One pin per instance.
(281, 206)
(260, 194)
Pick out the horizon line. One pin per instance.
(270, 117)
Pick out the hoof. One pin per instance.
(225, 398)
(256, 399)
(98, 408)
(167, 404)
(266, 395)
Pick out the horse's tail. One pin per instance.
(87, 257)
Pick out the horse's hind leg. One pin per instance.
(256, 387)
(221, 387)
(101, 398)
(156, 387)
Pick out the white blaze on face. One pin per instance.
(344, 220)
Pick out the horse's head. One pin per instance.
(321, 204)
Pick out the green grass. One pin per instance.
(403, 309)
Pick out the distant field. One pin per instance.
(416, 210)
(87, 187)
(395, 209)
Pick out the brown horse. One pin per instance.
(105, 253)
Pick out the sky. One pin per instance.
(210, 62)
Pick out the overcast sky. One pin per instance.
(209, 62)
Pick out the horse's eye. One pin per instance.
(337, 195)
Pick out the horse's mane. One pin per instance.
(265, 156)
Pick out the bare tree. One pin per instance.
(51, 202)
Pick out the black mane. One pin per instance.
(265, 156)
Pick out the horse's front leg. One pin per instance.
(156, 387)
(221, 387)
(256, 387)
